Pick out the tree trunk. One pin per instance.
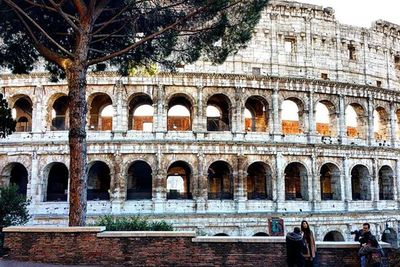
(76, 76)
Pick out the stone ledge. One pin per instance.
(147, 234)
(239, 239)
(53, 229)
(329, 244)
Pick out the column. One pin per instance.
(375, 183)
(392, 118)
(316, 186)
(370, 121)
(398, 181)
(280, 182)
(240, 195)
(160, 121)
(35, 183)
(238, 114)
(202, 185)
(311, 116)
(159, 184)
(276, 127)
(120, 115)
(199, 121)
(117, 184)
(342, 129)
(37, 108)
(346, 182)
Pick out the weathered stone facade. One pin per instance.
(335, 175)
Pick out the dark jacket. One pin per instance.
(295, 246)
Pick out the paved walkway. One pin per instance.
(8, 263)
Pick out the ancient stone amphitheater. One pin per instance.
(301, 124)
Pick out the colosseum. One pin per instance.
(303, 123)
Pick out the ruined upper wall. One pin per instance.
(302, 40)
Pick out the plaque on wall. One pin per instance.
(276, 226)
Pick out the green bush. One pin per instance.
(133, 223)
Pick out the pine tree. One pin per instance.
(7, 124)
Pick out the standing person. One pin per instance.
(294, 248)
(370, 252)
(363, 239)
(309, 240)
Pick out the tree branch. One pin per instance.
(147, 38)
(18, 10)
(64, 15)
(80, 7)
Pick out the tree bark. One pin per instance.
(76, 76)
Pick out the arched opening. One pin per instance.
(57, 182)
(325, 117)
(16, 173)
(220, 181)
(221, 234)
(178, 181)
(261, 234)
(179, 114)
(334, 236)
(141, 113)
(256, 114)
(292, 116)
(398, 124)
(22, 113)
(139, 181)
(99, 179)
(386, 183)
(360, 183)
(389, 235)
(355, 121)
(218, 113)
(381, 124)
(330, 182)
(296, 187)
(101, 113)
(259, 181)
(59, 114)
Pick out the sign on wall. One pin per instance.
(276, 226)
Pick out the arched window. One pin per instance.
(100, 112)
(261, 234)
(334, 236)
(330, 182)
(325, 117)
(16, 173)
(360, 183)
(218, 121)
(221, 234)
(139, 181)
(256, 114)
(386, 183)
(57, 182)
(292, 116)
(355, 121)
(259, 181)
(59, 114)
(296, 187)
(22, 113)
(141, 113)
(99, 179)
(220, 181)
(381, 124)
(179, 114)
(178, 181)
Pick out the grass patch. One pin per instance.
(132, 223)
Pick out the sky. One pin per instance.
(361, 12)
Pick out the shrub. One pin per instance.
(133, 223)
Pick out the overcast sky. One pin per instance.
(361, 12)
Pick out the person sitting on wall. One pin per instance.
(295, 247)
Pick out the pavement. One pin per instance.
(10, 263)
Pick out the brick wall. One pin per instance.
(91, 246)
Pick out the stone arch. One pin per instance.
(56, 177)
(381, 124)
(221, 234)
(97, 102)
(259, 181)
(220, 180)
(322, 127)
(261, 234)
(142, 121)
(330, 182)
(293, 121)
(222, 122)
(99, 181)
(22, 110)
(257, 120)
(16, 173)
(334, 235)
(179, 180)
(360, 183)
(57, 112)
(180, 122)
(386, 183)
(139, 180)
(358, 128)
(296, 181)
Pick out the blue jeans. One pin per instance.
(363, 261)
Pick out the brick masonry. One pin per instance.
(174, 249)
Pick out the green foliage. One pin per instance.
(13, 207)
(7, 123)
(133, 223)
